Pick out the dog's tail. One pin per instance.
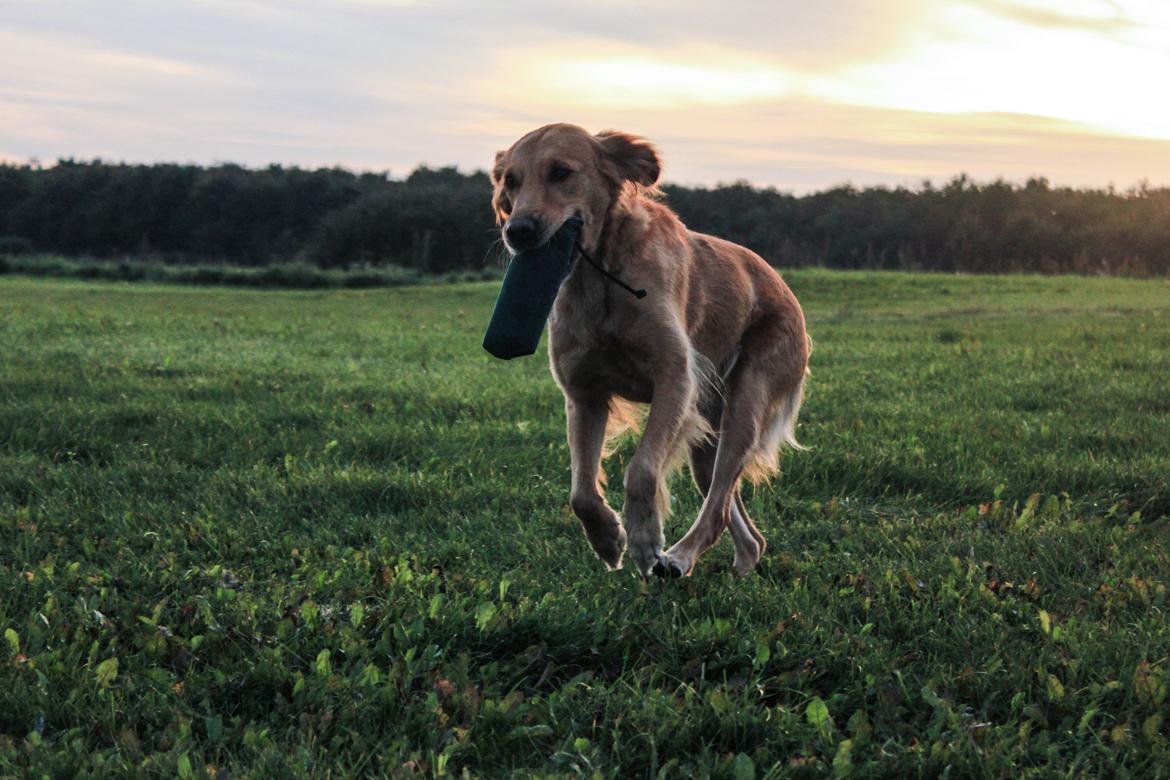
(625, 418)
(763, 461)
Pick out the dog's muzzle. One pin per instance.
(522, 232)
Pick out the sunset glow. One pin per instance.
(1085, 69)
(778, 93)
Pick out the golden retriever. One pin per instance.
(717, 348)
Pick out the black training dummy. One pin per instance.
(526, 297)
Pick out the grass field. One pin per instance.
(266, 534)
(288, 276)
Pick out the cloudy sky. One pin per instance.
(785, 93)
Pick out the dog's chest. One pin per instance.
(595, 361)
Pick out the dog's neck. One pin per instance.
(627, 219)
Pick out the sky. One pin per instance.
(790, 94)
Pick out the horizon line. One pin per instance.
(1142, 185)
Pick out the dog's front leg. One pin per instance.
(647, 499)
(587, 419)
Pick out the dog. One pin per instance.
(717, 347)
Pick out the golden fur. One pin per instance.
(717, 348)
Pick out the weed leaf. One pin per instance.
(817, 714)
(107, 672)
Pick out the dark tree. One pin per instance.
(438, 220)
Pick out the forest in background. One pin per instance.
(439, 221)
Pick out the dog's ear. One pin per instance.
(501, 203)
(498, 168)
(635, 158)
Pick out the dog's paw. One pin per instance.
(645, 548)
(743, 568)
(667, 569)
(746, 558)
(645, 559)
(670, 568)
(612, 552)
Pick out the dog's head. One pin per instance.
(561, 171)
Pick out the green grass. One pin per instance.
(288, 276)
(323, 533)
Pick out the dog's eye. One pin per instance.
(509, 181)
(559, 173)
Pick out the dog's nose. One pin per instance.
(522, 232)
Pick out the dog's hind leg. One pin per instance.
(749, 543)
(586, 423)
(760, 392)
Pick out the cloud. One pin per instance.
(988, 62)
(796, 35)
(798, 95)
(1098, 16)
(601, 74)
(803, 145)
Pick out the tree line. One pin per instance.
(439, 220)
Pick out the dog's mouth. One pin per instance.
(525, 241)
(517, 241)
